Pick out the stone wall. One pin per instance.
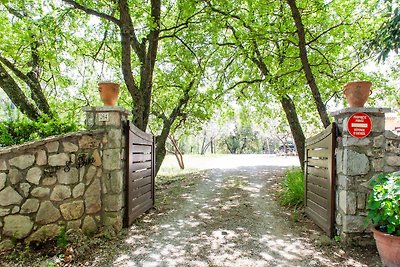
(69, 181)
(358, 160)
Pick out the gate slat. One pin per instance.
(141, 165)
(141, 199)
(139, 175)
(140, 141)
(320, 172)
(321, 153)
(142, 190)
(317, 209)
(141, 157)
(323, 192)
(139, 210)
(320, 221)
(323, 202)
(141, 182)
(322, 182)
(324, 163)
(140, 149)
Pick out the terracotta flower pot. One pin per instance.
(357, 93)
(388, 248)
(108, 93)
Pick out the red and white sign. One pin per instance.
(359, 125)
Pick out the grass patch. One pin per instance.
(292, 194)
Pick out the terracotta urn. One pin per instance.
(357, 93)
(388, 248)
(109, 92)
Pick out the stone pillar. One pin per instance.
(112, 120)
(357, 161)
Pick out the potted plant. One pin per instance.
(357, 92)
(109, 92)
(384, 211)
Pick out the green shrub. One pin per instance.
(384, 203)
(24, 130)
(292, 194)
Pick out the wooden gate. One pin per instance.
(140, 172)
(320, 178)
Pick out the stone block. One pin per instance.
(31, 205)
(114, 119)
(89, 225)
(389, 169)
(90, 173)
(111, 159)
(52, 147)
(393, 160)
(4, 212)
(379, 141)
(354, 224)
(339, 218)
(3, 179)
(69, 147)
(355, 163)
(60, 192)
(15, 176)
(6, 245)
(8, 196)
(58, 159)
(46, 232)
(345, 182)
(74, 224)
(78, 190)
(49, 180)
(116, 182)
(378, 124)
(339, 161)
(361, 200)
(40, 192)
(377, 164)
(22, 162)
(114, 137)
(17, 226)
(97, 158)
(348, 202)
(114, 219)
(3, 165)
(25, 187)
(70, 177)
(113, 202)
(393, 146)
(34, 175)
(72, 211)
(47, 213)
(15, 209)
(41, 158)
(349, 140)
(88, 142)
(92, 197)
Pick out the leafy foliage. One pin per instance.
(384, 203)
(293, 189)
(24, 130)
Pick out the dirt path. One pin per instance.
(227, 218)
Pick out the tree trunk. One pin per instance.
(295, 127)
(177, 152)
(306, 65)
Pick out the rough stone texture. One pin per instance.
(71, 177)
(351, 141)
(52, 147)
(90, 174)
(348, 202)
(6, 245)
(15, 209)
(89, 225)
(49, 180)
(111, 159)
(354, 224)
(33, 176)
(31, 205)
(361, 201)
(25, 187)
(70, 147)
(355, 163)
(22, 162)
(40, 192)
(4, 212)
(60, 192)
(58, 159)
(393, 146)
(97, 158)
(8, 196)
(379, 141)
(92, 197)
(3, 165)
(114, 137)
(78, 190)
(47, 213)
(88, 142)
(113, 202)
(116, 182)
(15, 176)
(17, 226)
(378, 164)
(73, 210)
(74, 224)
(393, 160)
(114, 219)
(41, 158)
(45, 232)
(3, 178)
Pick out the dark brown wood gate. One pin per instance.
(320, 179)
(140, 172)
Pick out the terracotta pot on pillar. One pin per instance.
(108, 93)
(357, 93)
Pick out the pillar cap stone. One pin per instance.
(107, 109)
(355, 110)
